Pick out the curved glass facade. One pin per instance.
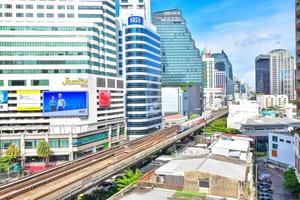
(143, 76)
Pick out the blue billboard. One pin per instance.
(135, 20)
(65, 103)
(3, 100)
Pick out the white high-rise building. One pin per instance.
(282, 73)
(209, 70)
(140, 63)
(140, 8)
(58, 79)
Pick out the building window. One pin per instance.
(8, 6)
(70, 7)
(29, 14)
(275, 146)
(204, 183)
(124, 1)
(40, 82)
(20, 14)
(111, 83)
(16, 82)
(40, 6)
(288, 141)
(40, 15)
(50, 15)
(281, 140)
(7, 14)
(100, 82)
(274, 138)
(50, 7)
(32, 144)
(20, 6)
(1, 83)
(29, 6)
(59, 143)
(70, 15)
(61, 15)
(61, 7)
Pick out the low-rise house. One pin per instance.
(212, 174)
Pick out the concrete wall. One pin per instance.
(219, 186)
(284, 153)
(172, 100)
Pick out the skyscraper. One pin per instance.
(139, 58)
(297, 81)
(181, 60)
(208, 70)
(57, 74)
(222, 63)
(262, 74)
(282, 73)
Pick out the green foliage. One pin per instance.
(43, 150)
(192, 115)
(4, 164)
(290, 181)
(128, 178)
(190, 84)
(98, 194)
(12, 153)
(220, 125)
(293, 102)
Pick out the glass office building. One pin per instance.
(262, 74)
(181, 60)
(222, 63)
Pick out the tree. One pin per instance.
(290, 181)
(4, 164)
(12, 153)
(128, 178)
(43, 151)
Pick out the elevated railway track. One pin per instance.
(69, 179)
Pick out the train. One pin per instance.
(190, 124)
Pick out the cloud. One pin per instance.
(258, 38)
(244, 40)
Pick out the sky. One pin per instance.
(242, 28)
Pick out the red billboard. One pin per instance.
(104, 98)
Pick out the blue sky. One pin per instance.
(243, 28)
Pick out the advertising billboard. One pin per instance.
(65, 103)
(28, 100)
(104, 98)
(3, 100)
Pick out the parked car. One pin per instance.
(264, 196)
(265, 186)
(107, 185)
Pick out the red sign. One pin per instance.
(104, 98)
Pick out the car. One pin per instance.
(264, 195)
(264, 187)
(107, 185)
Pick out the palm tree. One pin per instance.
(128, 178)
(12, 153)
(43, 151)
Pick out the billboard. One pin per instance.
(104, 98)
(3, 100)
(28, 100)
(65, 103)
